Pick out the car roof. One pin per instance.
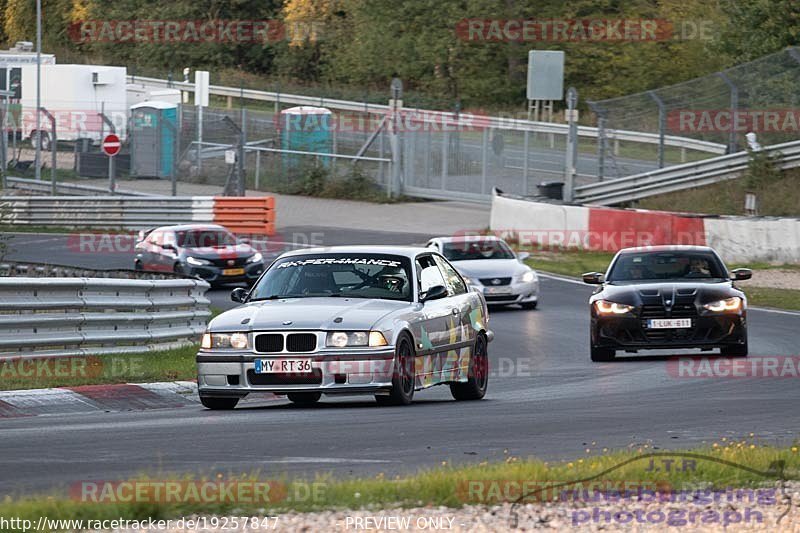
(470, 238)
(190, 227)
(405, 251)
(667, 248)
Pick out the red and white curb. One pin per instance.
(101, 398)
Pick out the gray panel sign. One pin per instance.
(545, 75)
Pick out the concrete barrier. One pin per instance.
(737, 239)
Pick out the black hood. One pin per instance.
(667, 293)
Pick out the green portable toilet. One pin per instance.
(306, 129)
(154, 137)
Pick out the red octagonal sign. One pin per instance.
(111, 145)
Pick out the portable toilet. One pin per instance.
(154, 139)
(306, 129)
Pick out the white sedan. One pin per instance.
(491, 267)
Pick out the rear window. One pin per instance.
(658, 266)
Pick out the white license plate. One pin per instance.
(497, 290)
(669, 323)
(283, 366)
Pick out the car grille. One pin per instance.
(269, 343)
(223, 263)
(500, 297)
(678, 311)
(290, 342)
(490, 282)
(301, 342)
(312, 378)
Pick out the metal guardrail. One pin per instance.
(93, 316)
(105, 211)
(72, 189)
(438, 117)
(680, 177)
(41, 270)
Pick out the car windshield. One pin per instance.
(204, 238)
(337, 275)
(659, 266)
(468, 250)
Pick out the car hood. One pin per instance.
(698, 292)
(307, 314)
(220, 252)
(490, 268)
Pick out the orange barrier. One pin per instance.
(254, 215)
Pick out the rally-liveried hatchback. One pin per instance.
(377, 320)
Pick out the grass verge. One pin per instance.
(573, 263)
(725, 464)
(169, 365)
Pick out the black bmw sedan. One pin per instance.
(205, 251)
(667, 297)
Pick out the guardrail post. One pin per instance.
(572, 146)
(732, 148)
(662, 124)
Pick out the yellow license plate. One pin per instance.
(233, 272)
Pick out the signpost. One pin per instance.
(201, 97)
(111, 147)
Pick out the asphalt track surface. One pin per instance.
(545, 399)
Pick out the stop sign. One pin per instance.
(111, 145)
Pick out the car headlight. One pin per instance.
(197, 261)
(343, 339)
(236, 341)
(729, 304)
(528, 277)
(604, 307)
(256, 258)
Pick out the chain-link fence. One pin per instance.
(760, 97)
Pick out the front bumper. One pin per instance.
(515, 293)
(216, 274)
(332, 372)
(707, 332)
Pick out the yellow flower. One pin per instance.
(752, 446)
(715, 445)
(794, 449)
(570, 465)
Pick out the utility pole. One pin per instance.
(38, 158)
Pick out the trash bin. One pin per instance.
(551, 189)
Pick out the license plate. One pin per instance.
(233, 272)
(669, 323)
(283, 366)
(497, 290)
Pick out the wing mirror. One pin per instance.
(434, 293)
(522, 256)
(169, 246)
(594, 278)
(741, 274)
(239, 295)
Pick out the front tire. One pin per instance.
(403, 376)
(218, 404)
(602, 355)
(478, 378)
(304, 399)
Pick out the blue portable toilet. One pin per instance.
(306, 129)
(154, 138)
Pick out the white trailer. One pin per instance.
(78, 96)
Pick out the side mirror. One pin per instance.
(522, 256)
(169, 246)
(434, 293)
(594, 278)
(741, 274)
(239, 295)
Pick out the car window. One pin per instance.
(155, 238)
(348, 275)
(429, 274)
(204, 238)
(453, 282)
(472, 249)
(666, 265)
